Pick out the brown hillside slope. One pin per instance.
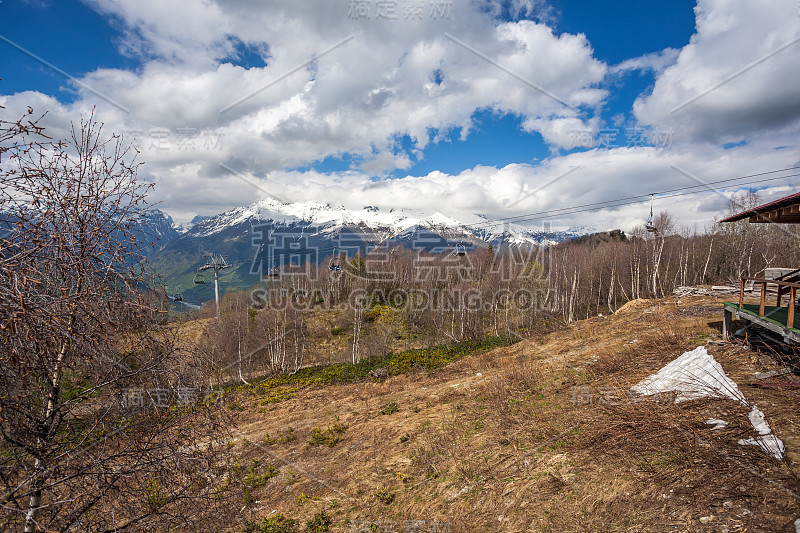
(538, 436)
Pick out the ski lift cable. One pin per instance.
(620, 202)
(489, 222)
(607, 204)
(547, 214)
(615, 203)
(641, 196)
(596, 206)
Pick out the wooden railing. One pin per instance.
(790, 286)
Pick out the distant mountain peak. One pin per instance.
(438, 219)
(385, 225)
(242, 234)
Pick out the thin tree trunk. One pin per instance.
(43, 437)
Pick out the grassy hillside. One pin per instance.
(542, 435)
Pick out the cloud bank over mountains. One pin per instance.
(236, 99)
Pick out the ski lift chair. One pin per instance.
(459, 249)
(199, 279)
(334, 266)
(649, 225)
(177, 297)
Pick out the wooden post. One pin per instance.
(763, 298)
(727, 324)
(790, 318)
(741, 294)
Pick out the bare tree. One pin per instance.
(664, 227)
(96, 410)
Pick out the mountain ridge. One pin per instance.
(312, 213)
(269, 234)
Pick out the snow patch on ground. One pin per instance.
(716, 423)
(770, 444)
(759, 422)
(696, 374)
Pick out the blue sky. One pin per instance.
(617, 31)
(430, 102)
(69, 34)
(621, 30)
(78, 40)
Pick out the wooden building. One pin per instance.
(785, 283)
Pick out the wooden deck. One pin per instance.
(775, 319)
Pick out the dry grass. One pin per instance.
(507, 441)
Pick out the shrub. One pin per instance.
(279, 394)
(389, 408)
(337, 427)
(156, 497)
(247, 497)
(272, 524)
(384, 495)
(320, 523)
(320, 437)
(255, 480)
(281, 437)
(285, 386)
(372, 315)
(329, 437)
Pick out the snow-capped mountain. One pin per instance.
(263, 235)
(186, 226)
(383, 225)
